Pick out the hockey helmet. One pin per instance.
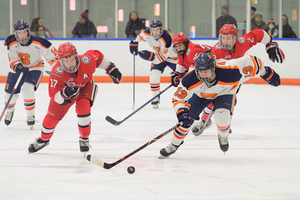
(67, 51)
(156, 23)
(178, 39)
(20, 25)
(228, 30)
(205, 61)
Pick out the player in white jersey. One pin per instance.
(160, 41)
(216, 83)
(25, 56)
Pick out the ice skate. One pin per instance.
(170, 149)
(199, 127)
(223, 141)
(155, 103)
(84, 145)
(31, 121)
(37, 145)
(8, 117)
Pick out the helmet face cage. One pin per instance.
(205, 61)
(156, 23)
(178, 39)
(19, 26)
(73, 69)
(227, 46)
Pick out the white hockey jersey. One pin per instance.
(163, 47)
(31, 55)
(229, 75)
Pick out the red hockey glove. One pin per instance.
(274, 52)
(114, 73)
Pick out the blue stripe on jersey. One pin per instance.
(167, 37)
(228, 75)
(43, 41)
(11, 41)
(190, 79)
(258, 66)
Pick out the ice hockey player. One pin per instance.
(77, 70)
(231, 47)
(160, 40)
(25, 56)
(215, 83)
(187, 54)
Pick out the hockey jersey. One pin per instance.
(31, 54)
(229, 74)
(89, 61)
(163, 47)
(188, 59)
(242, 44)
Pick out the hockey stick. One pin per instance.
(133, 103)
(48, 72)
(11, 95)
(105, 165)
(116, 123)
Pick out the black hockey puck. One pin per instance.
(130, 169)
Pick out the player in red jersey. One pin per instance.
(77, 71)
(187, 54)
(231, 47)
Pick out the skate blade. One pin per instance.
(31, 127)
(163, 157)
(155, 106)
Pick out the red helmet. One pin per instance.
(228, 29)
(66, 50)
(179, 38)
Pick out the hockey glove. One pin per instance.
(271, 77)
(19, 68)
(175, 78)
(114, 73)
(146, 55)
(133, 47)
(274, 52)
(69, 92)
(184, 117)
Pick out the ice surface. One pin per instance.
(263, 160)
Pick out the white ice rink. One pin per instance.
(263, 161)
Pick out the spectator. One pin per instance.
(134, 25)
(253, 10)
(287, 31)
(40, 32)
(39, 22)
(84, 28)
(272, 29)
(259, 23)
(224, 19)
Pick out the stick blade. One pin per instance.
(112, 121)
(95, 160)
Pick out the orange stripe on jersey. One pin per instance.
(148, 34)
(38, 65)
(14, 42)
(255, 65)
(195, 85)
(162, 56)
(231, 83)
(227, 66)
(157, 56)
(233, 87)
(14, 62)
(141, 38)
(177, 102)
(36, 42)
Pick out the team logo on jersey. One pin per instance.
(85, 76)
(59, 70)
(188, 51)
(241, 40)
(85, 59)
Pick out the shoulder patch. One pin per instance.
(85, 59)
(59, 70)
(188, 51)
(241, 40)
(218, 47)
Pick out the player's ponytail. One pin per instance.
(7, 39)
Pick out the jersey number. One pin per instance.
(53, 82)
(181, 94)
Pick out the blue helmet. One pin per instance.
(19, 26)
(156, 23)
(205, 61)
